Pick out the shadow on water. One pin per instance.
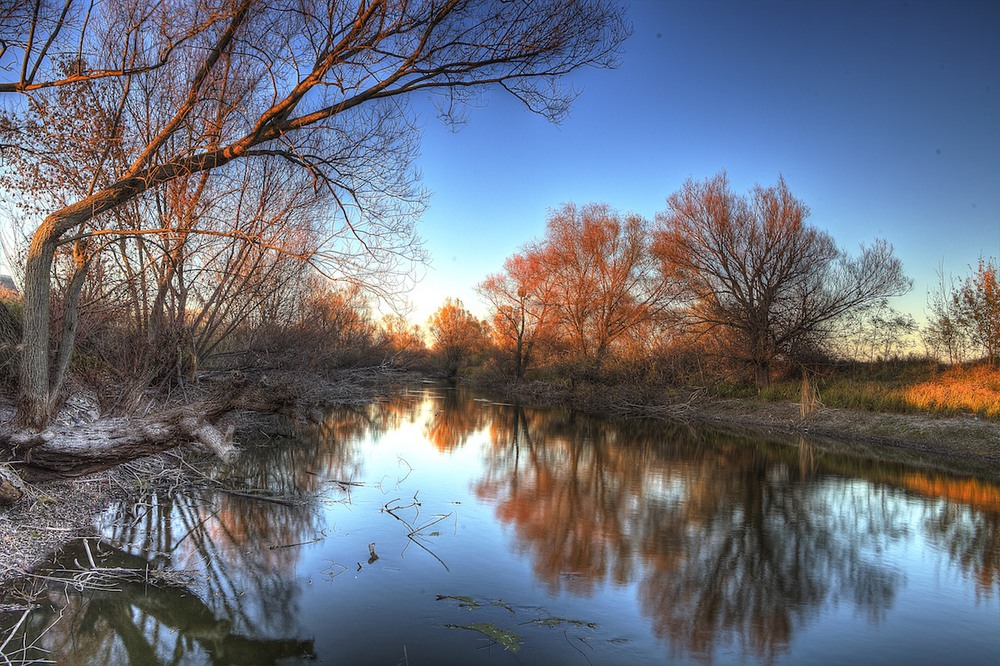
(728, 544)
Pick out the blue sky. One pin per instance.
(884, 117)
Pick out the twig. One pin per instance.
(14, 630)
(90, 556)
(257, 496)
(293, 545)
(428, 524)
(566, 636)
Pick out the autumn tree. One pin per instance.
(523, 306)
(404, 342)
(751, 267)
(965, 314)
(457, 336)
(605, 281)
(320, 84)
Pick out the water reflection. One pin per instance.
(456, 416)
(138, 623)
(732, 542)
(727, 544)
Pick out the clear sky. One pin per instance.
(884, 117)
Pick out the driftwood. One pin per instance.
(92, 447)
(84, 448)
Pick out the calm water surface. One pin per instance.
(437, 528)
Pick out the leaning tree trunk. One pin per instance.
(33, 392)
(67, 340)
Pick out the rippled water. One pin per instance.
(437, 528)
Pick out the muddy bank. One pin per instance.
(965, 444)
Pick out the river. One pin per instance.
(439, 527)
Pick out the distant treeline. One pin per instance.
(720, 287)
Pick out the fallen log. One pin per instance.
(84, 448)
(93, 447)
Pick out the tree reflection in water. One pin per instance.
(732, 542)
(139, 623)
(455, 417)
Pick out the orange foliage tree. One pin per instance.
(965, 315)
(457, 336)
(585, 286)
(979, 308)
(606, 281)
(521, 299)
(404, 341)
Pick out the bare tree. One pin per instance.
(50, 43)
(752, 267)
(318, 83)
(875, 332)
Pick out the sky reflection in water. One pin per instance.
(439, 529)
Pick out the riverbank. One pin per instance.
(55, 512)
(963, 443)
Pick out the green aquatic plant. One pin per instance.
(471, 604)
(553, 622)
(508, 639)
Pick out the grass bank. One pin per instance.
(913, 412)
(900, 387)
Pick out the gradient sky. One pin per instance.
(883, 117)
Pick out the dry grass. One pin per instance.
(901, 388)
(973, 390)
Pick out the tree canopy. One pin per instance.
(750, 266)
(122, 97)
